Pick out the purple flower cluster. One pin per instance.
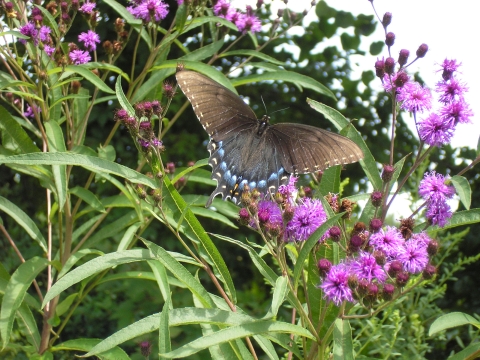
(244, 22)
(437, 128)
(436, 193)
(291, 220)
(38, 35)
(148, 10)
(390, 260)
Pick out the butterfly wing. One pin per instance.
(221, 112)
(306, 149)
(245, 159)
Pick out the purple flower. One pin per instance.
(268, 212)
(413, 256)
(29, 30)
(144, 143)
(366, 267)
(448, 68)
(451, 90)
(44, 34)
(307, 218)
(422, 238)
(87, 7)
(248, 23)
(89, 39)
(414, 97)
(432, 187)
(289, 191)
(149, 10)
(389, 241)
(335, 285)
(79, 57)
(390, 81)
(435, 131)
(224, 10)
(29, 111)
(438, 212)
(457, 112)
(49, 50)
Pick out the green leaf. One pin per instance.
(463, 190)
(107, 67)
(330, 182)
(452, 320)
(181, 273)
(65, 305)
(87, 344)
(458, 218)
(204, 239)
(56, 143)
(342, 340)
(24, 221)
(280, 291)
(10, 128)
(122, 99)
(198, 164)
(88, 162)
(289, 76)
(237, 332)
(28, 326)
(208, 213)
(200, 67)
(16, 289)
(177, 317)
(205, 19)
(86, 74)
(74, 258)
(164, 344)
(71, 96)
(309, 245)
(253, 53)
(16, 83)
(470, 352)
(89, 197)
(95, 266)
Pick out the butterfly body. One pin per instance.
(245, 150)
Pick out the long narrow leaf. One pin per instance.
(16, 289)
(205, 240)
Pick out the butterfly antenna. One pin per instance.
(265, 106)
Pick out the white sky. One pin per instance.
(450, 29)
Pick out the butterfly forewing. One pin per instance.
(308, 149)
(221, 112)
(246, 151)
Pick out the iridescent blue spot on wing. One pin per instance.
(252, 185)
(223, 166)
(262, 184)
(221, 153)
(273, 177)
(242, 184)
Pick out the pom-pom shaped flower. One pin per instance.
(366, 267)
(79, 57)
(307, 218)
(149, 10)
(435, 131)
(414, 97)
(335, 285)
(433, 187)
(90, 39)
(389, 241)
(413, 256)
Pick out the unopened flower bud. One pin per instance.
(388, 290)
(243, 216)
(429, 271)
(401, 79)
(394, 268)
(324, 267)
(390, 39)
(402, 279)
(403, 57)
(380, 68)
(432, 247)
(387, 172)
(389, 65)
(376, 198)
(145, 348)
(380, 257)
(375, 225)
(387, 19)
(335, 233)
(406, 227)
(422, 50)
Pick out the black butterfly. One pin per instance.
(245, 150)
